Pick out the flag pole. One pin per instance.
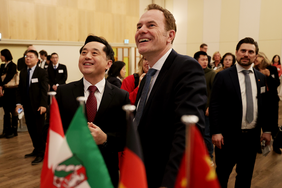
(51, 94)
(188, 120)
(129, 109)
(81, 101)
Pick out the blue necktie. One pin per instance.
(144, 94)
(55, 67)
(249, 97)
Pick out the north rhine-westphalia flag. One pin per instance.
(79, 161)
(132, 173)
(54, 139)
(201, 173)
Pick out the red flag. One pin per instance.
(133, 174)
(201, 173)
(54, 139)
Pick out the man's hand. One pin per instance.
(266, 72)
(217, 140)
(18, 107)
(266, 137)
(1, 91)
(54, 87)
(42, 109)
(207, 112)
(99, 136)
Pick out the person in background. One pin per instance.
(202, 58)
(227, 61)
(276, 62)
(117, 73)
(31, 96)
(21, 61)
(263, 64)
(132, 82)
(57, 73)
(43, 56)
(9, 69)
(204, 48)
(237, 114)
(217, 61)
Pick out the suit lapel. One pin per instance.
(235, 81)
(106, 100)
(78, 89)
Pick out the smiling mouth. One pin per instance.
(87, 64)
(143, 40)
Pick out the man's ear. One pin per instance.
(109, 64)
(171, 36)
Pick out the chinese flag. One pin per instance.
(133, 174)
(54, 139)
(200, 173)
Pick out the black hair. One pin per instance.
(233, 58)
(279, 63)
(7, 54)
(33, 51)
(43, 52)
(115, 68)
(247, 40)
(197, 54)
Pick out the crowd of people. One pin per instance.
(235, 98)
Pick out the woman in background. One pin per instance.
(7, 72)
(276, 62)
(263, 64)
(217, 61)
(132, 82)
(117, 73)
(227, 61)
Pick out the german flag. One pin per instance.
(133, 174)
(200, 172)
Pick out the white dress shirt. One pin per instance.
(31, 73)
(98, 93)
(241, 77)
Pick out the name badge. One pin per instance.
(34, 80)
(46, 66)
(61, 71)
(262, 89)
(273, 76)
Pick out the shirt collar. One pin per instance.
(159, 64)
(57, 65)
(100, 85)
(240, 68)
(32, 68)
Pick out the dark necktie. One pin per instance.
(249, 96)
(143, 97)
(27, 80)
(91, 104)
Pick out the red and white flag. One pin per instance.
(54, 140)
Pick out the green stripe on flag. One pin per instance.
(87, 152)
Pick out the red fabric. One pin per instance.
(47, 173)
(279, 69)
(133, 171)
(201, 173)
(91, 104)
(128, 84)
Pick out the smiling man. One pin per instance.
(174, 86)
(106, 119)
(237, 114)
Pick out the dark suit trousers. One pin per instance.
(35, 123)
(241, 152)
(9, 106)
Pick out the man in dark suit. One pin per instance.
(32, 98)
(177, 88)
(204, 48)
(57, 73)
(43, 56)
(237, 114)
(109, 125)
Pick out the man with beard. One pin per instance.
(237, 114)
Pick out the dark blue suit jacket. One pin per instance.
(226, 105)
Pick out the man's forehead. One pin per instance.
(94, 45)
(153, 15)
(247, 46)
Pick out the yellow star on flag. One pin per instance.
(211, 175)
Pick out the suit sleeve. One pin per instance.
(215, 103)
(65, 77)
(43, 88)
(190, 98)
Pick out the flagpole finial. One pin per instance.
(189, 119)
(51, 94)
(128, 108)
(81, 101)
